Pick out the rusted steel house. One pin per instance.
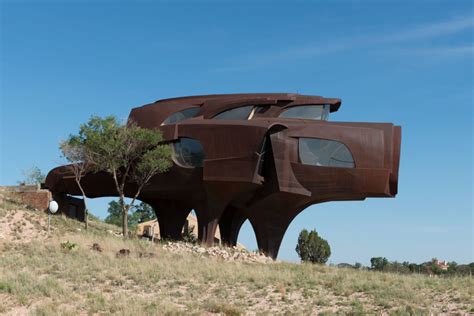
(258, 157)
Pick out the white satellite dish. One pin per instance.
(53, 207)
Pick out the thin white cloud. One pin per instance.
(251, 61)
(448, 51)
(435, 29)
(422, 32)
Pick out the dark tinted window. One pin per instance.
(241, 113)
(180, 116)
(261, 108)
(323, 152)
(188, 152)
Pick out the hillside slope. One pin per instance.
(42, 274)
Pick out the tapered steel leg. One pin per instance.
(229, 225)
(171, 217)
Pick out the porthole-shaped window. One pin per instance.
(309, 112)
(240, 113)
(326, 153)
(188, 152)
(180, 116)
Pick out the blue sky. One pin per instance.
(406, 62)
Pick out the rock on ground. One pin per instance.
(224, 253)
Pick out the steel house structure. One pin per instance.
(257, 157)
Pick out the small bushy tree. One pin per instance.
(465, 269)
(378, 263)
(74, 150)
(312, 248)
(33, 176)
(131, 154)
(452, 267)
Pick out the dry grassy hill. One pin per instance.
(40, 275)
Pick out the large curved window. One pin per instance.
(180, 116)
(241, 113)
(309, 112)
(188, 152)
(323, 152)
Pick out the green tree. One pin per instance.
(138, 214)
(312, 248)
(302, 247)
(414, 268)
(434, 268)
(33, 176)
(115, 214)
(141, 213)
(464, 269)
(75, 152)
(452, 267)
(378, 263)
(131, 154)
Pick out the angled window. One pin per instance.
(309, 112)
(261, 108)
(325, 153)
(188, 152)
(241, 113)
(180, 116)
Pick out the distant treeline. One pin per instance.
(433, 267)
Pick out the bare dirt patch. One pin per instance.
(20, 226)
